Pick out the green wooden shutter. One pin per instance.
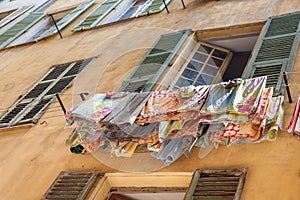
(72, 185)
(275, 50)
(67, 19)
(14, 15)
(32, 105)
(225, 184)
(156, 6)
(19, 28)
(149, 70)
(97, 15)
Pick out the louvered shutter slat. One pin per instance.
(67, 19)
(83, 182)
(19, 28)
(149, 70)
(33, 104)
(216, 184)
(97, 15)
(275, 50)
(14, 15)
(35, 112)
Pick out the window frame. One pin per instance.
(36, 100)
(228, 173)
(221, 69)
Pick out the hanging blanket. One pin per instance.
(184, 103)
(294, 124)
(233, 101)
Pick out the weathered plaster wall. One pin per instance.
(32, 158)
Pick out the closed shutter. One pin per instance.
(67, 19)
(14, 15)
(156, 6)
(72, 185)
(149, 70)
(19, 28)
(33, 104)
(97, 15)
(217, 184)
(275, 50)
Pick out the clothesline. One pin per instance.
(170, 121)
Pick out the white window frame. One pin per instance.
(123, 8)
(37, 30)
(221, 70)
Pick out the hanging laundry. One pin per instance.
(170, 123)
(94, 109)
(184, 103)
(128, 109)
(233, 101)
(173, 149)
(254, 128)
(294, 124)
(275, 115)
(174, 129)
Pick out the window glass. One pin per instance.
(206, 62)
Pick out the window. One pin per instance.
(34, 33)
(19, 28)
(110, 11)
(67, 19)
(128, 9)
(217, 184)
(13, 15)
(275, 50)
(72, 185)
(30, 107)
(97, 15)
(204, 66)
(152, 66)
(147, 193)
(133, 9)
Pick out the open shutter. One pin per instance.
(217, 184)
(156, 6)
(149, 70)
(67, 19)
(33, 104)
(14, 15)
(276, 46)
(19, 28)
(97, 15)
(72, 185)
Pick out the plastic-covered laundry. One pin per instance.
(128, 131)
(175, 129)
(255, 128)
(127, 110)
(294, 124)
(173, 149)
(123, 149)
(184, 103)
(169, 123)
(91, 111)
(237, 99)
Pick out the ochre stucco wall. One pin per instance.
(31, 158)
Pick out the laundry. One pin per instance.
(294, 124)
(184, 103)
(94, 109)
(236, 103)
(127, 110)
(173, 149)
(254, 128)
(170, 123)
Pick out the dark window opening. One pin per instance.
(241, 47)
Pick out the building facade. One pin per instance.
(80, 48)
